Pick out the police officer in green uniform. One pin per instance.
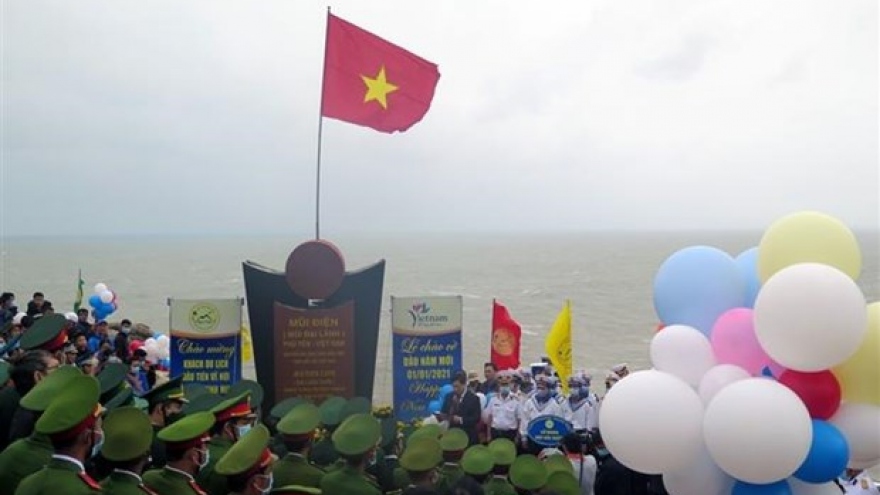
(355, 440)
(186, 447)
(28, 455)
(277, 412)
(44, 345)
(387, 457)
(256, 394)
(113, 395)
(297, 429)
(323, 453)
(128, 435)
(112, 381)
(247, 466)
(73, 424)
(453, 442)
(420, 460)
(233, 418)
(477, 462)
(401, 478)
(164, 405)
(528, 475)
(503, 455)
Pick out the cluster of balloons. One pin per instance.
(766, 374)
(103, 301)
(158, 349)
(435, 405)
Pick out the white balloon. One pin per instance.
(758, 412)
(106, 296)
(860, 425)
(799, 487)
(703, 477)
(163, 339)
(682, 351)
(651, 422)
(810, 317)
(719, 377)
(874, 471)
(100, 287)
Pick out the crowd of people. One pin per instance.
(82, 410)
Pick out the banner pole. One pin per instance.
(320, 132)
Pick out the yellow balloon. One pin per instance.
(808, 237)
(859, 376)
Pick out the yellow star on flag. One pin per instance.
(378, 88)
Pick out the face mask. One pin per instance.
(268, 486)
(242, 430)
(205, 458)
(96, 447)
(575, 394)
(505, 390)
(585, 391)
(542, 395)
(126, 329)
(172, 417)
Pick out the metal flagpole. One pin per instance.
(320, 130)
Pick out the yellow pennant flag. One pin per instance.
(558, 345)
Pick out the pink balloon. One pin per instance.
(734, 341)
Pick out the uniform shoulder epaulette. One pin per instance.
(144, 488)
(196, 488)
(89, 481)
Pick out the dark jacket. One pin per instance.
(468, 409)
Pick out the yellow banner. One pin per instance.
(558, 345)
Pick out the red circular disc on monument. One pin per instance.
(315, 270)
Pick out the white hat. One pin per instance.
(16, 320)
(71, 317)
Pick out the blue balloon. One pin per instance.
(445, 390)
(695, 286)
(747, 263)
(778, 488)
(95, 301)
(107, 308)
(828, 456)
(434, 406)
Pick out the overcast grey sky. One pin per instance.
(201, 116)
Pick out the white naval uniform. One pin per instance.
(579, 414)
(503, 413)
(531, 409)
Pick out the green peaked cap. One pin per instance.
(563, 483)
(301, 420)
(355, 405)
(477, 460)
(331, 410)
(528, 473)
(283, 407)
(128, 434)
(422, 455)
(357, 434)
(454, 440)
(71, 407)
(112, 380)
(43, 332)
(555, 463)
(202, 403)
(44, 392)
(503, 451)
(188, 428)
(245, 454)
(255, 389)
(296, 490)
(124, 397)
(168, 391)
(432, 431)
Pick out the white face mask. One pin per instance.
(98, 443)
(268, 486)
(243, 430)
(205, 456)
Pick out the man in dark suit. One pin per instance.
(462, 408)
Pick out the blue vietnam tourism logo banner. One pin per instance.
(427, 350)
(547, 431)
(206, 342)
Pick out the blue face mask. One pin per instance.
(243, 430)
(585, 391)
(505, 390)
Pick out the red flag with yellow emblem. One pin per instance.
(371, 82)
(506, 335)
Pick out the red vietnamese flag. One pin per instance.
(371, 82)
(506, 336)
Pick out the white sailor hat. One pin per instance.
(16, 320)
